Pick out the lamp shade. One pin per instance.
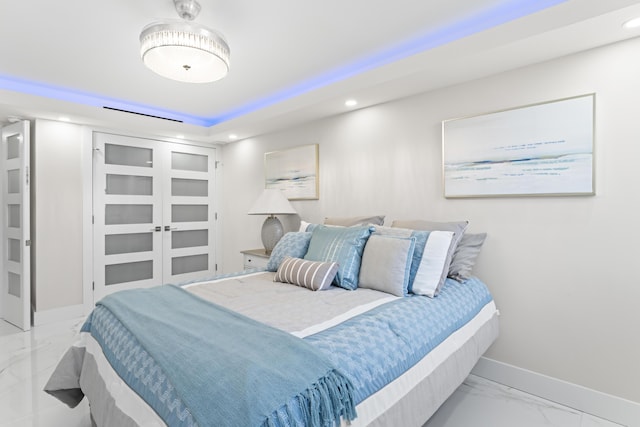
(272, 202)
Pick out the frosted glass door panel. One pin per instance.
(189, 264)
(14, 250)
(128, 243)
(189, 239)
(128, 156)
(14, 285)
(129, 185)
(13, 181)
(13, 216)
(189, 162)
(189, 187)
(189, 213)
(13, 147)
(128, 272)
(128, 214)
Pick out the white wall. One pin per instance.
(56, 211)
(561, 268)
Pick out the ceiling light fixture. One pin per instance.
(632, 23)
(184, 50)
(351, 103)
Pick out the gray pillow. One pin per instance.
(386, 264)
(464, 258)
(355, 220)
(313, 275)
(458, 228)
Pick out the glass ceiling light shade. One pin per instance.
(183, 50)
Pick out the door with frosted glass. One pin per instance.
(127, 213)
(15, 299)
(153, 213)
(189, 215)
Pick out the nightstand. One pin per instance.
(254, 259)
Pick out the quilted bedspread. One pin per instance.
(378, 346)
(370, 349)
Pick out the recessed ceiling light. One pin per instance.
(64, 119)
(351, 103)
(632, 23)
(233, 136)
(180, 136)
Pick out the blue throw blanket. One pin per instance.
(230, 370)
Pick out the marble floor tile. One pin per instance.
(27, 359)
(483, 403)
(591, 421)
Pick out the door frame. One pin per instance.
(87, 211)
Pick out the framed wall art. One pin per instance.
(543, 149)
(295, 171)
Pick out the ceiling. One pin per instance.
(291, 61)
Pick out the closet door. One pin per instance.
(15, 296)
(154, 219)
(189, 214)
(127, 213)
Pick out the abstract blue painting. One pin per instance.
(538, 150)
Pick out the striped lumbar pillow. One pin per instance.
(313, 275)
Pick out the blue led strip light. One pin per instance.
(500, 14)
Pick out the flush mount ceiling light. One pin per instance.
(184, 50)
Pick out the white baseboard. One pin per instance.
(606, 406)
(44, 317)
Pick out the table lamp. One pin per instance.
(271, 202)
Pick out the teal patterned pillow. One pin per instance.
(293, 244)
(343, 245)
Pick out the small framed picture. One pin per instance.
(294, 171)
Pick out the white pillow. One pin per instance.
(434, 264)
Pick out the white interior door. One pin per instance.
(127, 213)
(189, 229)
(16, 251)
(154, 220)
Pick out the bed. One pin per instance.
(255, 349)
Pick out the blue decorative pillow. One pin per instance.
(293, 244)
(341, 245)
